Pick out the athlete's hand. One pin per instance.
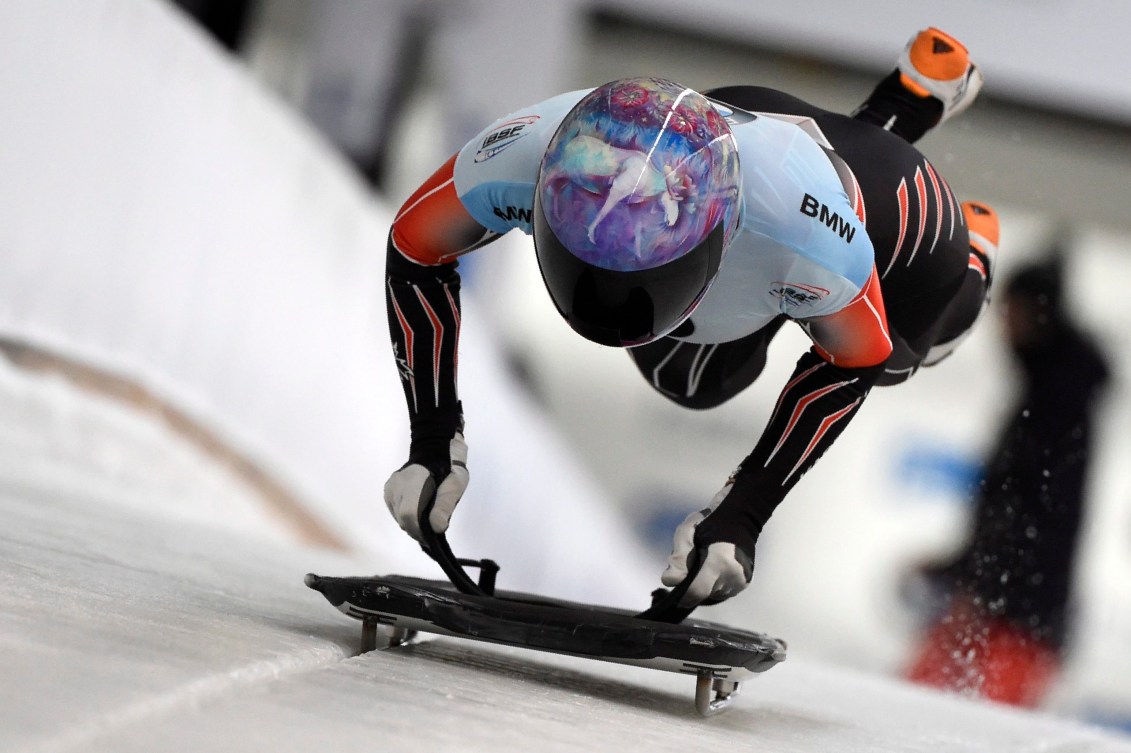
(726, 568)
(407, 490)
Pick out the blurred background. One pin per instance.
(243, 374)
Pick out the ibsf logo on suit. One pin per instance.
(503, 136)
(795, 294)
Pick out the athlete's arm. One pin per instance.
(483, 192)
(826, 390)
(857, 335)
(812, 410)
(430, 232)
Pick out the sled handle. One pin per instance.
(665, 603)
(435, 545)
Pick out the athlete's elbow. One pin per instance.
(874, 356)
(410, 267)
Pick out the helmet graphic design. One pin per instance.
(638, 197)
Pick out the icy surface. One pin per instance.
(124, 631)
(87, 443)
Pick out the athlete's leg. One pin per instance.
(915, 222)
(934, 80)
(965, 308)
(939, 333)
(704, 376)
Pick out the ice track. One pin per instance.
(124, 632)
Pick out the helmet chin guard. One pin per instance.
(626, 308)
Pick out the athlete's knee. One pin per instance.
(701, 400)
(696, 375)
(703, 376)
(675, 369)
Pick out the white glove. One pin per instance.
(405, 492)
(725, 571)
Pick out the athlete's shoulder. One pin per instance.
(510, 134)
(496, 170)
(793, 195)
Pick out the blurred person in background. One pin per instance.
(689, 228)
(1002, 631)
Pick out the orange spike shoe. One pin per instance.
(982, 224)
(935, 64)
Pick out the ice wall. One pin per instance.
(164, 219)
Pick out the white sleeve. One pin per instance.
(496, 171)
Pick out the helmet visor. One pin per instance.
(624, 308)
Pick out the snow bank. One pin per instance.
(164, 219)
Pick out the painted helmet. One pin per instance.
(637, 199)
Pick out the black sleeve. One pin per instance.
(424, 320)
(814, 408)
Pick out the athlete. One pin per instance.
(688, 228)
